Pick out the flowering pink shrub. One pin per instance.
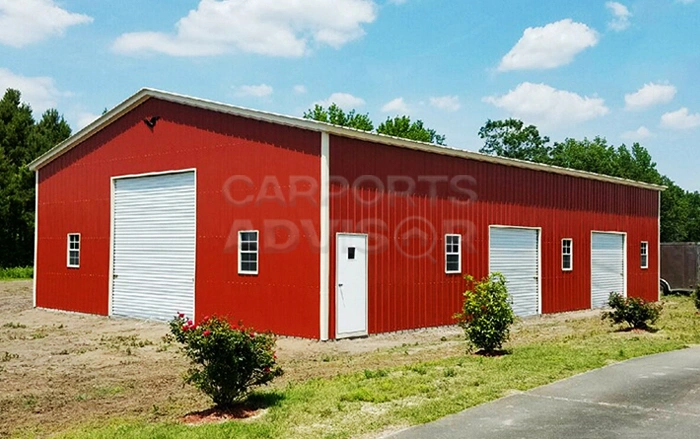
(227, 360)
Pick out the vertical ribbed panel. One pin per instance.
(607, 267)
(154, 246)
(514, 253)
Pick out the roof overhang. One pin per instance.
(312, 125)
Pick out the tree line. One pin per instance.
(22, 139)
(680, 209)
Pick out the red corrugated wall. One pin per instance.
(415, 292)
(74, 196)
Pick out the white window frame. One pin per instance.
(644, 255)
(241, 252)
(570, 254)
(69, 250)
(458, 253)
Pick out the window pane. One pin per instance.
(249, 236)
(566, 262)
(248, 266)
(249, 257)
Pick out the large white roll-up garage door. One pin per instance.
(154, 246)
(607, 267)
(514, 252)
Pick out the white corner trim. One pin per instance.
(36, 233)
(324, 237)
(658, 247)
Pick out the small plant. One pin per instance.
(487, 313)
(16, 273)
(696, 297)
(635, 311)
(227, 360)
(13, 325)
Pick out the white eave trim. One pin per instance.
(312, 125)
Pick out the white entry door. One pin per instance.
(351, 285)
(514, 252)
(607, 267)
(154, 246)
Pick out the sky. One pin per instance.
(628, 71)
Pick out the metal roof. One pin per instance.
(148, 93)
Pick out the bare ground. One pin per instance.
(61, 369)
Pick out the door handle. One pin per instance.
(340, 285)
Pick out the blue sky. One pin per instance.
(628, 71)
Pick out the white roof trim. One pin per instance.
(312, 125)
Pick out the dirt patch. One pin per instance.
(214, 415)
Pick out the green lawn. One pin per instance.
(372, 401)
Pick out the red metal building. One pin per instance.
(174, 204)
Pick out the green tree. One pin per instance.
(335, 115)
(399, 126)
(21, 141)
(680, 210)
(511, 138)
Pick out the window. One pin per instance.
(453, 254)
(567, 254)
(644, 253)
(73, 250)
(248, 252)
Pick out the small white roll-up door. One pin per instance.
(154, 246)
(514, 252)
(607, 267)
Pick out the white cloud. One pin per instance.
(299, 89)
(680, 120)
(39, 91)
(397, 106)
(24, 22)
(447, 103)
(258, 91)
(266, 27)
(621, 16)
(553, 45)
(547, 106)
(84, 119)
(345, 101)
(649, 95)
(638, 134)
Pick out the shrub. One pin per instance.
(696, 297)
(16, 273)
(226, 360)
(487, 313)
(635, 311)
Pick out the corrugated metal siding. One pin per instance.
(75, 196)
(607, 267)
(154, 246)
(409, 292)
(514, 253)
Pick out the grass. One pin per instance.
(16, 273)
(372, 400)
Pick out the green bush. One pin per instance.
(487, 313)
(227, 360)
(696, 297)
(16, 273)
(635, 311)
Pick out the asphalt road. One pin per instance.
(651, 397)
